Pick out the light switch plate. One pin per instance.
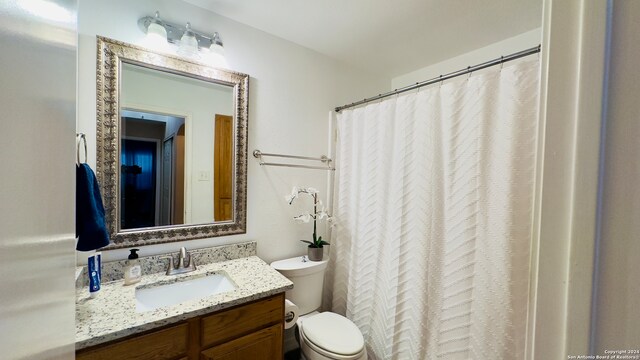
(203, 176)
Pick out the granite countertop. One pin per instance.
(112, 314)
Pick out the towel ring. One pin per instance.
(82, 139)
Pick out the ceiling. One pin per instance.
(391, 37)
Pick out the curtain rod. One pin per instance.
(468, 69)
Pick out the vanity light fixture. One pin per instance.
(189, 42)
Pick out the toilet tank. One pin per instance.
(308, 279)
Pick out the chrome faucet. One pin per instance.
(184, 265)
(181, 256)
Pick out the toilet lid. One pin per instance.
(333, 333)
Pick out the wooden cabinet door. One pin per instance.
(167, 344)
(234, 323)
(265, 344)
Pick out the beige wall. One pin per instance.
(618, 303)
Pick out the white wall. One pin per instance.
(571, 101)
(197, 102)
(292, 90)
(37, 195)
(618, 312)
(505, 47)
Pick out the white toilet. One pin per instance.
(323, 335)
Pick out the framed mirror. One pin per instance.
(171, 146)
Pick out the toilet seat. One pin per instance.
(333, 336)
(327, 354)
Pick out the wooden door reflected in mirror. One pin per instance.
(222, 168)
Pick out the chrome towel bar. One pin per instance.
(324, 159)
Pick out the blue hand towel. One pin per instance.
(91, 228)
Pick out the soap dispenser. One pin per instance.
(132, 269)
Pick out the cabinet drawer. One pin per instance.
(265, 344)
(167, 344)
(236, 322)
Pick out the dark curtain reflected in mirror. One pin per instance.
(139, 171)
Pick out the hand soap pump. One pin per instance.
(132, 269)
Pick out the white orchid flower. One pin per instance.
(322, 214)
(293, 195)
(311, 191)
(305, 218)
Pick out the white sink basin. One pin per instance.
(153, 297)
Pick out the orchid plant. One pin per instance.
(306, 217)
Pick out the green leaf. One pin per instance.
(324, 243)
(308, 242)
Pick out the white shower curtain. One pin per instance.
(433, 200)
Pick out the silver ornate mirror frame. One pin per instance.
(110, 55)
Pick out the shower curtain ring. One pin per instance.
(501, 62)
(469, 72)
(441, 81)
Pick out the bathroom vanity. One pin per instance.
(251, 331)
(246, 322)
(231, 309)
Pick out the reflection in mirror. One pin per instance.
(176, 149)
(151, 170)
(171, 141)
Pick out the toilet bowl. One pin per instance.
(322, 336)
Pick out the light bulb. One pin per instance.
(157, 30)
(156, 34)
(216, 53)
(216, 45)
(188, 43)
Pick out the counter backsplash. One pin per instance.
(113, 270)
